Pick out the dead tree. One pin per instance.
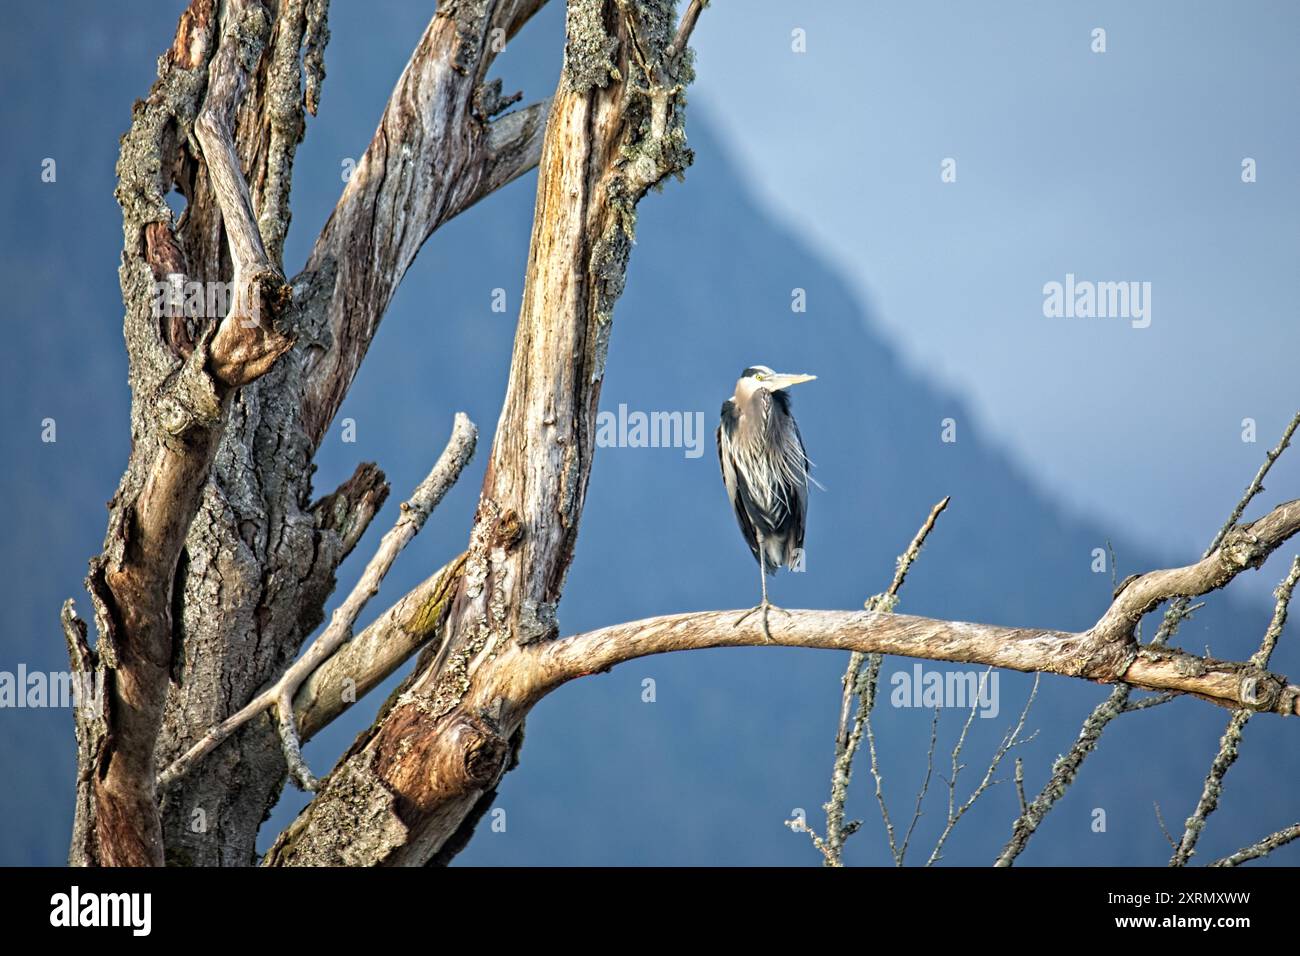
(218, 560)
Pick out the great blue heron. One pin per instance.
(765, 469)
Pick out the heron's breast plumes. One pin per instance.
(765, 469)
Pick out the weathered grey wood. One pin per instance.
(391, 205)
(412, 624)
(414, 512)
(616, 128)
(1229, 684)
(244, 617)
(421, 786)
(252, 560)
(1106, 652)
(177, 417)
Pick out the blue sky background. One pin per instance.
(817, 171)
(1123, 165)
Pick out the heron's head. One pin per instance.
(761, 377)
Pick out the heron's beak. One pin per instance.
(785, 380)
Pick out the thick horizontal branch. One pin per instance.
(1228, 684)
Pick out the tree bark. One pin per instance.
(616, 128)
(217, 563)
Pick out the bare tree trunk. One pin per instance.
(616, 128)
(211, 622)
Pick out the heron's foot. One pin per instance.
(764, 607)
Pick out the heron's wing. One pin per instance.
(799, 518)
(790, 472)
(734, 483)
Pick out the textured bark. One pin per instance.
(418, 791)
(439, 112)
(373, 655)
(180, 403)
(414, 512)
(265, 559)
(217, 564)
(616, 128)
(1229, 684)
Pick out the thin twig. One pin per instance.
(901, 855)
(1230, 743)
(1160, 819)
(889, 600)
(1154, 700)
(684, 28)
(885, 602)
(1257, 484)
(1066, 768)
(868, 701)
(1282, 595)
(1009, 741)
(1263, 848)
(1178, 608)
(848, 740)
(1063, 774)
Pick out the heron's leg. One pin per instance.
(762, 581)
(762, 577)
(769, 606)
(762, 573)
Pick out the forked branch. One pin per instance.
(1066, 768)
(249, 339)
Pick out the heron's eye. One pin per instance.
(760, 376)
